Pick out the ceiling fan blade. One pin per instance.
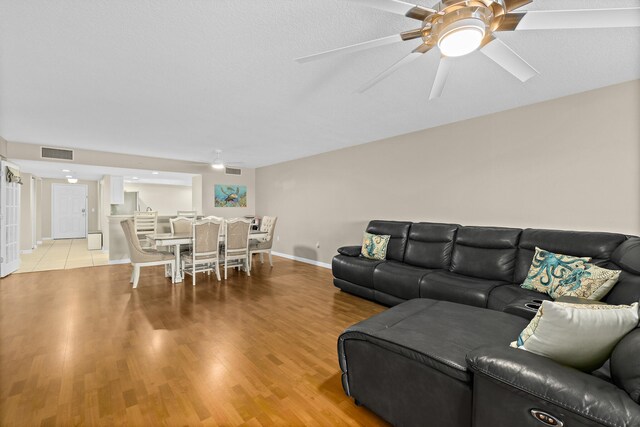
(399, 7)
(515, 4)
(502, 55)
(386, 73)
(408, 35)
(510, 21)
(587, 18)
(441, 77)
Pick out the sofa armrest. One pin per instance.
(353, 251)
(576, 392)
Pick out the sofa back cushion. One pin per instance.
(625, 369)
(430, 245)
(399, 232)
(485, 252)
(626, 257)
(596, 245)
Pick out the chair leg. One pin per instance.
(261, 257)
(133, 273)
(136, 275)
(173, 271)
(193, 274)
(248, 268)
(270, 259)
(217, 271)
(225, 268)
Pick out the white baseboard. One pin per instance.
(119, 261)
(47, 238)
(39, 242)
(26, 251)
(305, 260)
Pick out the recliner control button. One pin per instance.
(546, 418)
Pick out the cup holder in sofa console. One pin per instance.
(533, 306)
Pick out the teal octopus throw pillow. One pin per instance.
(374, 246)
(591, 282)
(548, 269)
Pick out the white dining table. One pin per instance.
(178, 239)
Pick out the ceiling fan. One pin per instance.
(219, 163)
(459, 27)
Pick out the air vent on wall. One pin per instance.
(232, 171)
(56, 153)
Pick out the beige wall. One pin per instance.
(3, 147)
(165, 199)
(569, 163)
(45, 206)
(196, 187)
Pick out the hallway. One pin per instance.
(60, 255)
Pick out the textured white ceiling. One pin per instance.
(181, 78)
(54, 170)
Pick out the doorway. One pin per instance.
(68, 211)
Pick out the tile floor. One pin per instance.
(60, 255)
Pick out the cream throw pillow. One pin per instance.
(578, 335)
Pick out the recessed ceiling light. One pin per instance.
(135, 178)
(72, 180)
(155, 173)
(69, 176)
(66, 170)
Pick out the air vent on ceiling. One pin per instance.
(232, 171)
(56, 153)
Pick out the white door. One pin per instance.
(68, 211)
(9, 222)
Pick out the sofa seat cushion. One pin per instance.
(446, 286)
(438, 334)
(356, 270)
(398, 279)
(502, 296)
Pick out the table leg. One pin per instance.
(178, 265)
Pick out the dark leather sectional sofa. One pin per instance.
(441, 356)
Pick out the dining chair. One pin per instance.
(236, 244)
(204, 257)
(181, 225)
(142, 257)
(145, 222)
(188, 214)
(263, 245)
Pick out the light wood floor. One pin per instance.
(80, 347)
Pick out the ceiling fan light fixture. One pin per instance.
(218, 163)
(462, 37)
